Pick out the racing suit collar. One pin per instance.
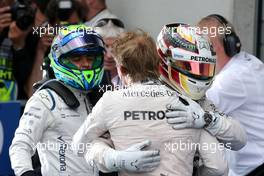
(149, 81)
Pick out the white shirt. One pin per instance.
(103, 14)
(116, 81)
(238, 91)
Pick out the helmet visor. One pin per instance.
(197, 70)
(89, 62)
(92, 43)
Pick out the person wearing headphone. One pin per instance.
(238, 91)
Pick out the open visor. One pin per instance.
(197, 70)
(94, 61)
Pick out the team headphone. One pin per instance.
(231, 42)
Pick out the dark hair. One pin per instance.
(41, 4)
(52, 11)
(102, 1)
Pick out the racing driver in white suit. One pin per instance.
(48, 123)
(180, 71)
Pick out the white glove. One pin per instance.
(183, 112)
(132, 159)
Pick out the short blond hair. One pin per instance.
(136, 52)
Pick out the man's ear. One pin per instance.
(123, 70)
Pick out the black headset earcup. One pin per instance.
(232, 44)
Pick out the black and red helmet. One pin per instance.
(187, 59)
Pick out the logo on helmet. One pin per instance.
(203, 59)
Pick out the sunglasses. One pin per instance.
(105, 21)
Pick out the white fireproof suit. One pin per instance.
(49, 124)
(137, 113)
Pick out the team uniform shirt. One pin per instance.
(138, 113)
(231, 132)
(48, 124)
(238, 92)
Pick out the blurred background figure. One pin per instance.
(16, 40)
(238, 91)
(110, 29)
(96, 10)
(60, 12)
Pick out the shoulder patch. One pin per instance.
(47, 97)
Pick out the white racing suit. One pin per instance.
(230, 131)
(48, 124)
(137, 113)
